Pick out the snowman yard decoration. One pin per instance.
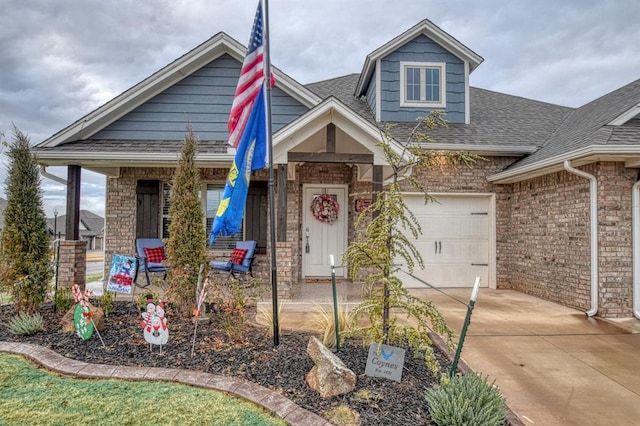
(154, 324)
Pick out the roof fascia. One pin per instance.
(626, 116)
(428, 29)
(555, 163)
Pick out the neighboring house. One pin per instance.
(91, 228)
(520, 219)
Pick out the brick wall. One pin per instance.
(72, 268)
(551, 238)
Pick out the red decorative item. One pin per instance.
(155, 254)
(238, 255)
(325, 208)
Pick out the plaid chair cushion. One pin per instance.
(155, 254)
(237, 256)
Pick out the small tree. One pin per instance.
(187, 240)
(26, 269)
(387, 239)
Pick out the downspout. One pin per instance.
(593, 194)
(45, 173)
(635, 217)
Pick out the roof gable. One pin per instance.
(428, 29)
(158, 82)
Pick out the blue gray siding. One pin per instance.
(371, 93)
(202, 99)
(421, 49)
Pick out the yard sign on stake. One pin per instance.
(154, 324)
(82, 315)
(196, 314)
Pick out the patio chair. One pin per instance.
(150, 254)
(241, 259)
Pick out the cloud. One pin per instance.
(61, 60)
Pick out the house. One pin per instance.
(549, 213)
(91, 228)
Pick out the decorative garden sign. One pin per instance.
(121, 274)
(82, 314)
(386, 362)
(154, 324)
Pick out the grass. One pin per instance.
(29, 395)
(94, 277)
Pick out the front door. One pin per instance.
(323, 235)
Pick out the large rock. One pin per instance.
(329, 376)
(67, 320)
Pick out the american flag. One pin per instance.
(250, 82)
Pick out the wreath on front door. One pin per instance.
(325, 208)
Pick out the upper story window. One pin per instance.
(422, 84)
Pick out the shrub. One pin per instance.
(25, 267)
(230, 304)
(466, 400)
(62, 299)
(24, 324)
(106, 302)
(343, 415)
(265, 316)
(324, 321)
(187, 245)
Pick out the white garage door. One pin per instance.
(455, 242)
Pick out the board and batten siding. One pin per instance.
(421, 49)
(371, 93)
(203, 100)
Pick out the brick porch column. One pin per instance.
(72, 267)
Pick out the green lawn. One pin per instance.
(29, 395)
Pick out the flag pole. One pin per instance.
(272, 214)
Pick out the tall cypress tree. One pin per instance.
(26, 268)
(187, 240)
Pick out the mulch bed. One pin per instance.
(283, 368)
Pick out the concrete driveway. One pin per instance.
(553, 365)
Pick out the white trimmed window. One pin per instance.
(422, 84)
(210, 195)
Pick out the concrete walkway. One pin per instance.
(554, 365)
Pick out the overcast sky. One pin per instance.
(59, 60)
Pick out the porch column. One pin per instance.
(73, 252)
(281, 228)
(376, 185)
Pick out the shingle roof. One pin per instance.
(588, 125)
(496, 119)
(155, 146)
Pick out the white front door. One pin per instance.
(456, 241)
(320, 239)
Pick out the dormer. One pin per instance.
(421, 70)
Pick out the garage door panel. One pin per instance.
(455, 240)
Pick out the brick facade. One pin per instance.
(542, 226)
(72, 268)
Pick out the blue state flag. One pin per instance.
(251, 155)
